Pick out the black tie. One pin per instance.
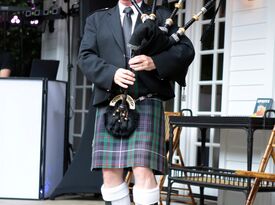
(127, 28)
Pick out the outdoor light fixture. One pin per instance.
(34, 22)
(34, 15)
(15, 20)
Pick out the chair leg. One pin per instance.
(252, 194)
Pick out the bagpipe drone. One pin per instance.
(150, 39)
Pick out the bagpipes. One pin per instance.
(121, 118)
(150, 39)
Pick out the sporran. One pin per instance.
(121, 117)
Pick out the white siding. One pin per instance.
(250, 75)
(250, 69)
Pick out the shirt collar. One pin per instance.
(122, 7)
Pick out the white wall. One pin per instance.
(249, 75)
(250, 71)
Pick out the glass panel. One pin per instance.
(205, 156)
(79, 77)
(210, 13)
(216, 153)
(220, 66)
(217, 133)
(221, 35)
(88, 97)
(76, 143)
(79, 98)
(223, 9)
(89, 82)
(208, 35)
(205, 98)
(219, 98)
(86, 117)
(206, 67)
(77, 123)
(207, 136)
(183, 19)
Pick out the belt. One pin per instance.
(141, 98)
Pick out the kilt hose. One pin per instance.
(144, 148)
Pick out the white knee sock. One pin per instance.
(146, 196)
(118, 195)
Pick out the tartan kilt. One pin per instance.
(144, 148)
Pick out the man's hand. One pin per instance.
(142, 62)
(124, 77)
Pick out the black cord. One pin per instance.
(211, 25)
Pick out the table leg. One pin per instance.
(250, 140)
(201, 195)
(203, 149)
(171, 132)
(203, 155)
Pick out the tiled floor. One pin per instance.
(65, 200)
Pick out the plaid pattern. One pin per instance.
(145, 147)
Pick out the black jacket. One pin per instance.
(102, 53)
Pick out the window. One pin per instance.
(210, 80)
(83, 92)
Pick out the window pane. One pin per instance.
(222, 9)
(206, 67)
(216, 152)
(219, 98)
(76, 143)
(210, 13)
(217, 133)
(79, 77)
(221, 35)
(205, 156)
(77, 123)
(88, 97)
(79, 98)
(220, 66)
(208, 37)
(86, 117)
(89, 82)
(207, 136)
(183, 19)
(205, 98)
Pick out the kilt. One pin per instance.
(144, 148)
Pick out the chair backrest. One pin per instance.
(167, 125)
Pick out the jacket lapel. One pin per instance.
(115, 27)
(115, 24)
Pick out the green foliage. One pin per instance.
(22, 41)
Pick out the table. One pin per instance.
(32, 134)
(250, 124)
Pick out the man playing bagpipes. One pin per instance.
(129, 90)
